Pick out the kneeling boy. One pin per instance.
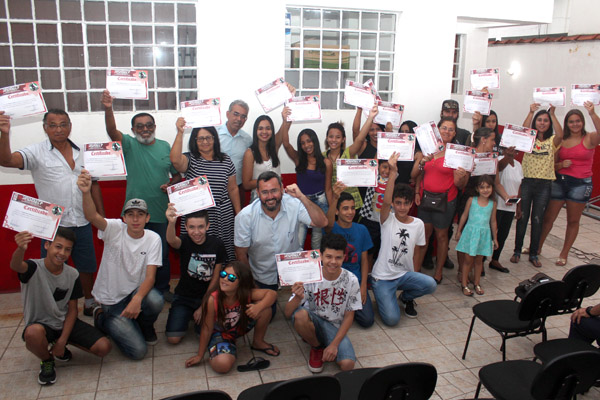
(322, 312)
(50, 289)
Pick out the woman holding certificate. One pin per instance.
(573, 184)
(205, 158)
(538, 173)
(436, 192)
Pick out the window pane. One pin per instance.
(122, 105)
(331, 59)
(349, 60)
(385, 62)
(329, 80)
(51, 79)
(70, 10)
(344, 106)
(187, 95)
(167, 100)
(120, 57)
(293, 78)
(3, 32)
(310, 80)
(46, 33)
(146, 105)
(164, 56)
(350, 19)
(312, 38)
(48, 56)
(312, 59)
(187, 56)
(142, 57)
(2, 10)
(331, 40)
(142, 34)
(20, 9)
(118, 34)
(95, 103)
(141, 12)
(385, 83)
(186, 34)
(369, 21)
(6, 78)
(350, 40)
(77, 102)
(97, 79)
(24, 56)
(329, 100)
(365, 76)
(25, 75)
(54, 100)
(97, 56)
(71, 34)
(164, 12)
(331, 19)
(387, 22)
(151, 84)
(295, 39)
(22, 33)
(165, 78)
(187, 78)
(368, 41)
(96, 34)
(45, 9)
(75, 79)
(312, 17)
(73, 56)
(118, 12)
(5, 60)
(164, 35)
(185, 13)
(94, 11)
(367, 61)
(386, 41)
(295, 12)
(385, 96)
(295, 59)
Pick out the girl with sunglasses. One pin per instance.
(230, 312)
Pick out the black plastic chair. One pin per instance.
(513, 319)
(524, 380)
(413, 381)
(325, 387)
(201, 395)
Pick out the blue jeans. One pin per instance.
(588, 330)
(412, 284)
(181, 312)
(366, 316)
(125, 332)
(317, 233)
(163, 274)
(535, 194)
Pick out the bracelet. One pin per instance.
(589, 311)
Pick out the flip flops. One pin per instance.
(267, 349)
(466, 291)
(254, 364)
(535, 262)
(561, 262)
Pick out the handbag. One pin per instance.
(528, 284)
(434, 202)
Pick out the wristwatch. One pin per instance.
(589, 311)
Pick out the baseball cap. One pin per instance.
(450, 105)
(137, 204)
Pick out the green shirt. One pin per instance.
(148, 167)
(358, 202)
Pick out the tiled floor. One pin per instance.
(437, 336)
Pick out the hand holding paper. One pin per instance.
(4, 123)
(84, 181)
(23, 239)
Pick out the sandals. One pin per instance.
(535, 262)
(254, 364)
(478, 290)
(266, 350)
(466, 291)
(525, 250)
(561, 262)
(515, 258)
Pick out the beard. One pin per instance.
(147, 140)
(271, 208)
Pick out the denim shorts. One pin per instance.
(565, 187)
(219, 345)
(83, 254)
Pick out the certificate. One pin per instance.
(191, 195)
(429, 138)
(388, 112)
(518, 136)
(273, 94)
(199, 113)
(359, 95)
(485, 77)
(357, 172)
(401, 143)
(485, 164)
(127, 84)
(22, 100)
(38, 217)
(585, 92)
(371, 84)
(459, 156)
(104, 159)
(476, 100)
(305, 108)
(302, 266)
(550, 96)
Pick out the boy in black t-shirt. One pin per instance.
(200, 255)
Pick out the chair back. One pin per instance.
(542, 301)
(581, 281)
(324, 387)
(201, 395)
(562, 377)
(414, 381)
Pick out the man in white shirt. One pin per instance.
(125, 283)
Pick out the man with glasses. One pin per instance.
(148, 175)
(235, 141)
(55, 165)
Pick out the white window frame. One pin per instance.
(458, 64)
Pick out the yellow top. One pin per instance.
(539, 163)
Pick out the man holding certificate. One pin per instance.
(450, 110)
(55, 165)
(270, 226)
(148, 175)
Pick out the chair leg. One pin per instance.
(503, 347)
(468, 338)
(478, 390)
(544, 335)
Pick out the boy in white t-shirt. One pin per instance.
(402, 240)
(124, 286)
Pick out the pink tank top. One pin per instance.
(581, 158)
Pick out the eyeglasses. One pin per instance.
(206, 139)
(61, 126)
(238, 115)
(230, 277)
(140, 127)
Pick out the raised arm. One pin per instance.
(16, 262)
(8, 159)
(592, 137)
(97, 198)
(338, 188)
(359, 140)
(172, 238)
(317, 216)
(285, 138)
(356, 123)
(109, 117)
(558, 130)
(389, 188)
(89, 209)
(285, 124)
(248, 170)
(476, 118)
(328, 178)
(179, 161)
(529, 118)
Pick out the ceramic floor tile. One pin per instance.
(21, 385)
(382, 360)
(412, 337)
(162, 390)
(170, 369)
(12, 318)
(439, 356)
(234, 384)
(280, 374)
(479, 352)
(129, 393)
(370, 342)
(448, 332)
(72, 380)
(79, 396)
(124, 374)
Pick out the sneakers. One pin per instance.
(315, 361)
(409, 308)
(67, 355)
(95, 313)
(149, 334)
(89, 311)
(47, 374)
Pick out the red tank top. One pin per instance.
(581, 158)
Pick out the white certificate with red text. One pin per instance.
(401, 143)
(301, 266)
(199, 113)
(476, 100)
(273, 94)
(127, 84)
(38, 217)
(371, 84)
(429, 138)
(550, 96)
(357, 172)
(22, 100)
(359, 95)
(459, 156)
(388, 112)
(580, 93)
(485, 77)
(485, 164)
(304, 108)
(191, 195)
(104, 159)
(518, 136)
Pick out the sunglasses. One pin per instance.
(230, 277)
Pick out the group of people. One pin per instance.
(378, 237)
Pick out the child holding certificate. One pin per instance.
(479, 234)
(230, 312)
